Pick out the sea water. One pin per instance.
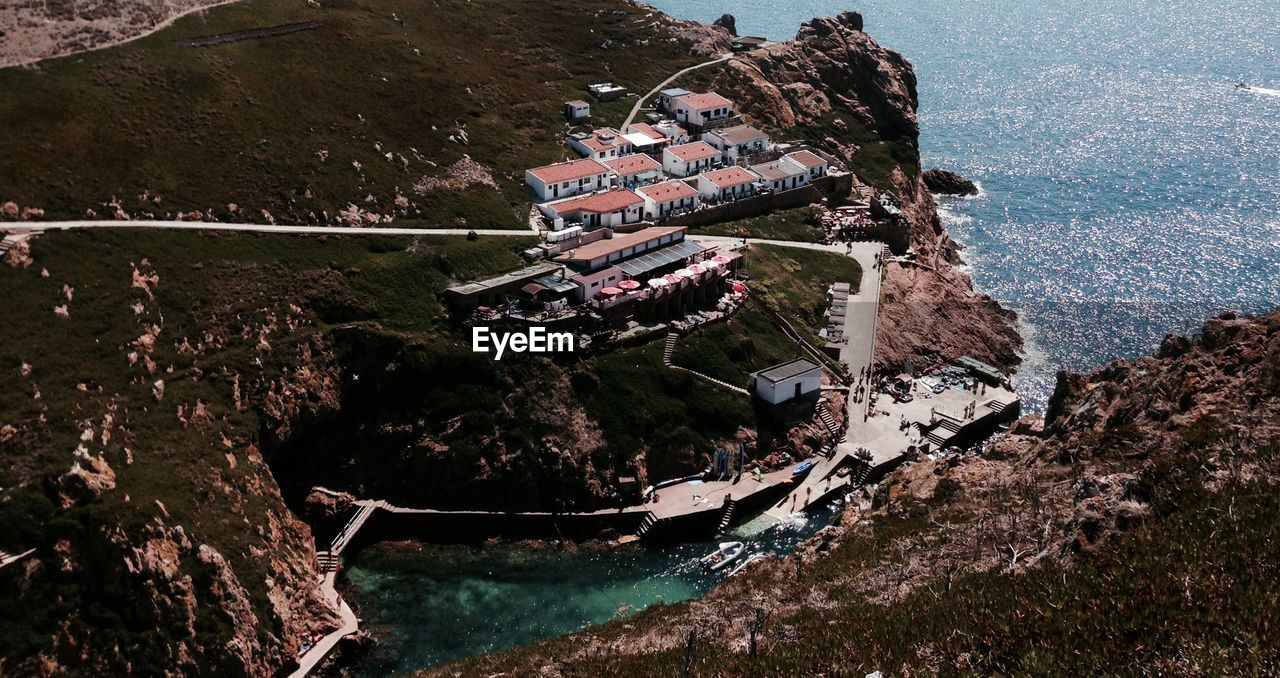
(427, 604)
(1130, 189)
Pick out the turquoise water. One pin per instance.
(429, 604)
(1129, 189)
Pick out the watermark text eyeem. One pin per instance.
(534, 340)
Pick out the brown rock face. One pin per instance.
(948, 183)
(833, 71)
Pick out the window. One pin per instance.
(566, 184)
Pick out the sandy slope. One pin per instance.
(34, 30)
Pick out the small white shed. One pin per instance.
(789, 381)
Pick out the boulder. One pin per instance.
(943, 182)
(727, 22)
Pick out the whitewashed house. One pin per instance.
(614, 207)
(729, 183)
(666, 96)
(813, 163)
(738, 141)
(699, 109)
(634, 170)
(667, 198)
(601, 144)
(688, 159)
(782, 174)
(794, 380)
(564, 179)
(674, 133)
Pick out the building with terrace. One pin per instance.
(564, 179)
(689, 159)
(614, 207)
(782, 174)
(814, 164)
(698, 110)
(729, 183)
(635, 170)
(668, 198)
(739, 141)
(601, 144)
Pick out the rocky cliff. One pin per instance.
(1117, 534)
(834, 86)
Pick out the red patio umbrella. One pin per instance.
(698, 268)
(613, 291)
(739, 287)
(720, 259)
(671, 278)
(629, 285)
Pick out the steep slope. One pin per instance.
(1134, 532)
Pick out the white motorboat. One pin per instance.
(721, 557)
(743, 565)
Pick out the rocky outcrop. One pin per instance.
(832, 78)
(943, 182)
(727, 22)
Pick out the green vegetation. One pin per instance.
(793, 224)
(794, 281)
(731, 351)
(280, 124)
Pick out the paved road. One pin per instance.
(635, 110)
(859, 325)
(30, 226)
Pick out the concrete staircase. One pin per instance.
(829, 422)
(726, 516)
(945, 430)
(328, 561)
(646, 525)
(996, 406)
(670, 348)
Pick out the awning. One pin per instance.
(643, 264)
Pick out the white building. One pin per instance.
(700, 109)
(668, 198)
(729, 183)
(564, 179)
(635, 170)
(812, 163)
(688, 159)
(674, 133)
(737, 142)
(789, 381)
(613, 207)
(782, 174)
(666, 96)
(602, 144)
(577, 111)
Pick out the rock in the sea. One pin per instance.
(948, 183)
(727, 22)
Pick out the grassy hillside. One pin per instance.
(301, 125)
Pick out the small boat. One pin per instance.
(802, 468)
(728, 551)
(742, 565)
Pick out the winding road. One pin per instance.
(635, 110)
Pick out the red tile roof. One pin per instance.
(778, 170)
(729, 176)
(697, 150)
(603, 202)
(569, 171)
(647, 130)
(740, 134)
(633, 164)
(806, 158)
(618, 243)
(668, 190)
(701, 102)
(603, 140)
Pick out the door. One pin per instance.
(797, 396)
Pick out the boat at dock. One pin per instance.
(721, 557)
(743, 565)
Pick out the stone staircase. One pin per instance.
(996, 406)
(670, 348)
(830, 423)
